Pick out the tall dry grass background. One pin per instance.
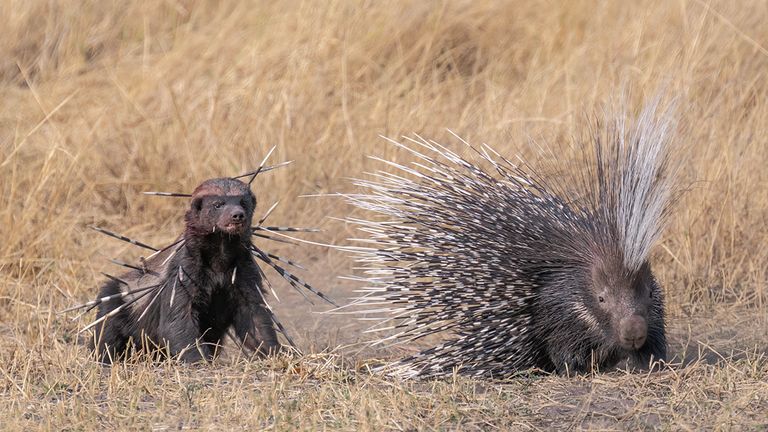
(101, 100)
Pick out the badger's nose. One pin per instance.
(632, 332)
(238, 216)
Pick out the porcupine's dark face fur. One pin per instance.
(622, 301)
(221, 205)
(593, 319)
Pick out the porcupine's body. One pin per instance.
(189, 294)
(521, 272)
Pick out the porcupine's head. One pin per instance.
(623, 303)
(628, 193)
(221, 205)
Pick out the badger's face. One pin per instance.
(624, 299)
(222, 205)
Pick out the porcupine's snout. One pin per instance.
(633, 332)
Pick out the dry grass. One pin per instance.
(104, 99)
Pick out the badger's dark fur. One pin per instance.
(188, 295)
(522, 271)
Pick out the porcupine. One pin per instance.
(522, 271)
(184, 298)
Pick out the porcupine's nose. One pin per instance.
(632, 332)
(238, 216)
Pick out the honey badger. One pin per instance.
(183, 299)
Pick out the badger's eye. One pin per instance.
(600, 299)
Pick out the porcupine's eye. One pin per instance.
(600, 299)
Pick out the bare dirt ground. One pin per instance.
(104, 100)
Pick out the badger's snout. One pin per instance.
(238, 216)
(633, 332)
(232, 220)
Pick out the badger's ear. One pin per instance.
(197, 204)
